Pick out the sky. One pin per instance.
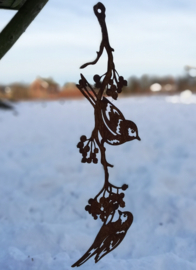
(152, 37)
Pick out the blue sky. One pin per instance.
(149, 37)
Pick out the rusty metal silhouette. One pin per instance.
(110, 127)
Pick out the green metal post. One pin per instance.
(19, 23)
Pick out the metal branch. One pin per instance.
(110, 127)
(19, 23)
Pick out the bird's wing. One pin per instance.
(107, 239)
(98, 242)
(109, 244)
(112, 117)
(85, 257)
(94, 249)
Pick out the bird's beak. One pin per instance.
(120, 213)
(138, 138)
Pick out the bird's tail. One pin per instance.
(87, 90)
(84, 258)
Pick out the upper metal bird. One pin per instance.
(109, 120)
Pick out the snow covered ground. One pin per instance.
(44, 187)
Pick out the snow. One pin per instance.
(44, 187)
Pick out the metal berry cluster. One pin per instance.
(114, 86)
(88, 149)
(106, 206)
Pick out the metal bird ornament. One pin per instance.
(108, 238)
(110, 127)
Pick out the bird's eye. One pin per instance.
(131, 132)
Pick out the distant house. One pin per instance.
(69, 90)
(43, 88)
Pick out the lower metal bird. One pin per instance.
(108, 238)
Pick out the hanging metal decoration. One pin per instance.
(110, 127)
